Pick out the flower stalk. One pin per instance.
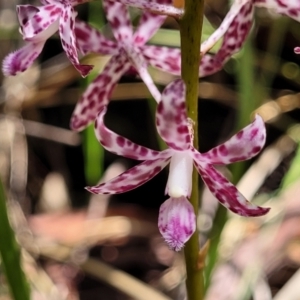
(190, 34)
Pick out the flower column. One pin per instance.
(190, 33)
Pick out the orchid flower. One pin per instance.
(37, 24)
(235, 28)
(128, 50)
(177, 217)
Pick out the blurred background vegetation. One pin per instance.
(75, 245)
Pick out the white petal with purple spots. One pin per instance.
(163, 58)
(132, 178)
(227, 193)
(148, 25)
(67, 37)
(91, 40)
(119, 20)
(235, 10)
(154, 6)
(244, 145)
(119, 145)
(38, 23)
(98, 92)
(171, 117)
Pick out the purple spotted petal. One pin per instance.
(288, 8)
(132, 178)
(38, 23)
(247, 143)
(239, 10)
(20, 60)
(98, 92)
(163, 58)
(25, 13)
(91, 40)
(160, 7)
(148, 25)
(209, 65)
(176, 222)
(234, 38)
(227, 193)
(119, 19)
(237, 33)
(140, 65)
(121, 146)
(171, 117)
(67, 36)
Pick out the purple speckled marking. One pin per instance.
(132, 178)
(172, 124)
(118, 16)
(163, 58)
(243, 145)
(148, 25)
(91, 40)
(235, 28)
(98, 92)
(227, 193)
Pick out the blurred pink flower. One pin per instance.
(128, 50)
(175, 129)
(37, 24)
(236, 26)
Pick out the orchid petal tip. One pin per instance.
(9, 65)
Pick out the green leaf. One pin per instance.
(11, 255)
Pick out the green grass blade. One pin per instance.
(93, 151)
(11, 255)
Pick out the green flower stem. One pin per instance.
(190, 34)
(11, 255)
